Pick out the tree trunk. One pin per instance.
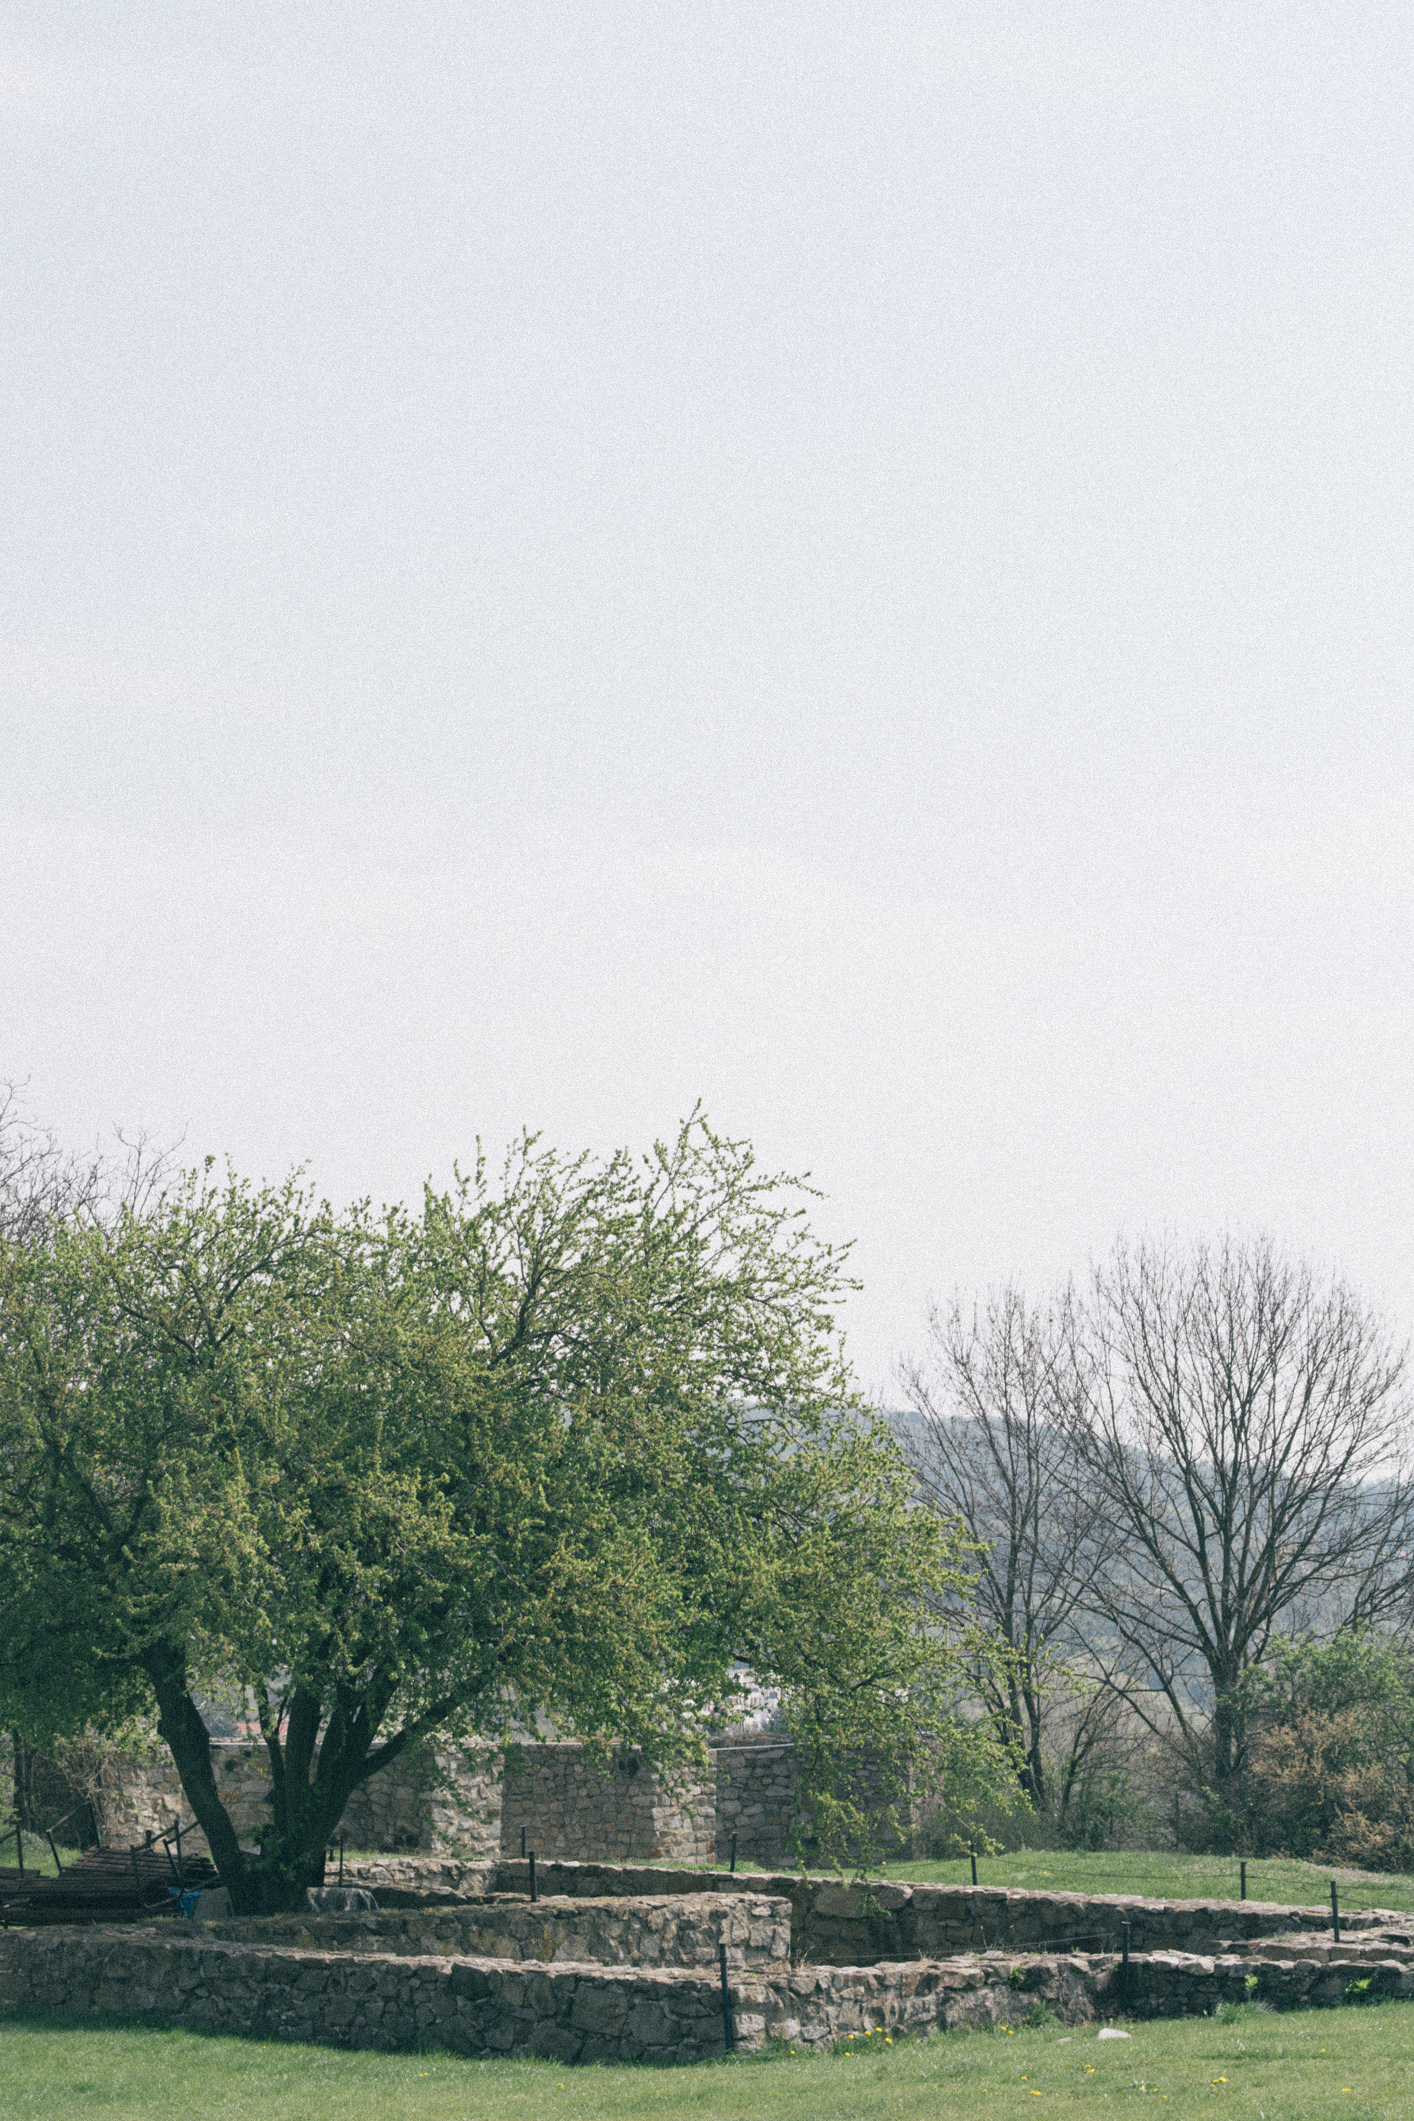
(186, 1737)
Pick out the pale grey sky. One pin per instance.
(853, 562)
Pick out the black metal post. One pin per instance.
(1124, 1973)
(726, 1997)
(973, 1854)
(1335, 1913)
(1244, 1880)
(341, 1859)
(733, 1863)
(533, 1894)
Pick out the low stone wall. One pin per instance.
(435, 1874)
(474, 2007)
(862, 1925)
(479, 2006)
(1179, 1985)
(683, 1931)
(483, 2006)
(859, 1924)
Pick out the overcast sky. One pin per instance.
(852, 562)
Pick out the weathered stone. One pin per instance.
(391, 1979)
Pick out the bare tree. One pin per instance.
(42, 1183)
(1244, 1427)
(991, 1444)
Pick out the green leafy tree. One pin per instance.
(578, 1443)
(1333, 1753)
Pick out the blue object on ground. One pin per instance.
(188, 1894)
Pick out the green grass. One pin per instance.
(1159, 1874)
(38, 1854)
(1164, 1875)
(1307, 2066)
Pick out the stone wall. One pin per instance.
(620, 1812)
(756, 1789)
(861, 1925)
(146, 1797)
(469, 1802)
(480, 2006)
(758, 1800)
(457, 1802)
(449, 1800)
(682, 1930)
(484, 2006)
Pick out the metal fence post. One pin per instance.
(726, 1997)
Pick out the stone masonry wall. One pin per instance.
(857, 1925)
(684, 1930)
(862, 1924)
(450, 1800)
(471, 1804)
(146, 1796)
(485, 2007)
(756, 1786)
(597, 2014)
(620, 1813)
(758, 1799)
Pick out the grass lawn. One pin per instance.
(1304, 2066)
(1164, 1875)
(38, 1854)
(1159, 1874)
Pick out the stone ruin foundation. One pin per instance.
(619, 1964)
